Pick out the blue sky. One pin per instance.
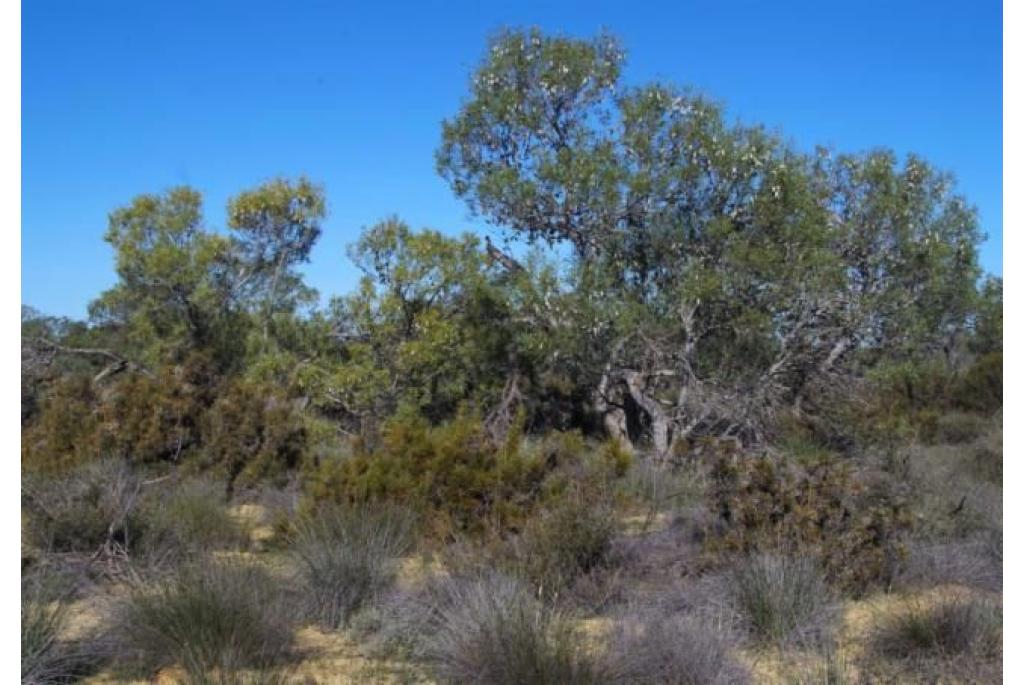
(121, 98)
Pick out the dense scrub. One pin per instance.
(730, 391)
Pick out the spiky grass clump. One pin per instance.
(783, 599)
(490, 629)
(655, 648)
(47, 656)
(208, 618)
(960, 626)
(347, 556)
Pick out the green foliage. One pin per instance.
(252, 433)
(173, 292)
(821, 510)
(451, 471)
(980, 388)
(559, 544)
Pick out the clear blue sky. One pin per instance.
(120, 98)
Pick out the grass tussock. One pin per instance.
(783, 599)
(347, 556)
(955, 627)
(207, 618)
(654, 648)
(491, 629)
(46, 657)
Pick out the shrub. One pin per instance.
(451, 471)
(208, 618)
(191, 516)
(959, 626)
(981, 387)
(564, 542)
(347, 555)
(655, 649)
(491, 630)
(854, 528)
(62, 436)
(987, 456)
(782, 599)
(958, 428)
(45, 656)
(84, 509)
(252, 433)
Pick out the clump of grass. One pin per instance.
(347, 556)
(45, 657)
(491, 629)
(563, 544)
(655, 648)
(191, 517)
(782, 599)
(960, 626)
(208, 618)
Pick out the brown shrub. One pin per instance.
(763, 504)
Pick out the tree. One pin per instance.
(276, 226)
(729, 274)
(173, 293)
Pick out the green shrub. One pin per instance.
(208, 618)
(347, 555)
(783, 599)
(855, 530)
(958, 428)
(981, 387)
(564, 542)
(955, 627)
(450, 471)
(252, 433)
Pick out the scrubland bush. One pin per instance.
(191, 515)
(957, 428)
(564, 542)
(83, 509)
(252, 434)
(655, 648)
(854, 529)
(456, 476)
(347, 555)
(212, 619)
(783, 599)
(959, 626)
(62, 436)
(981, 386)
